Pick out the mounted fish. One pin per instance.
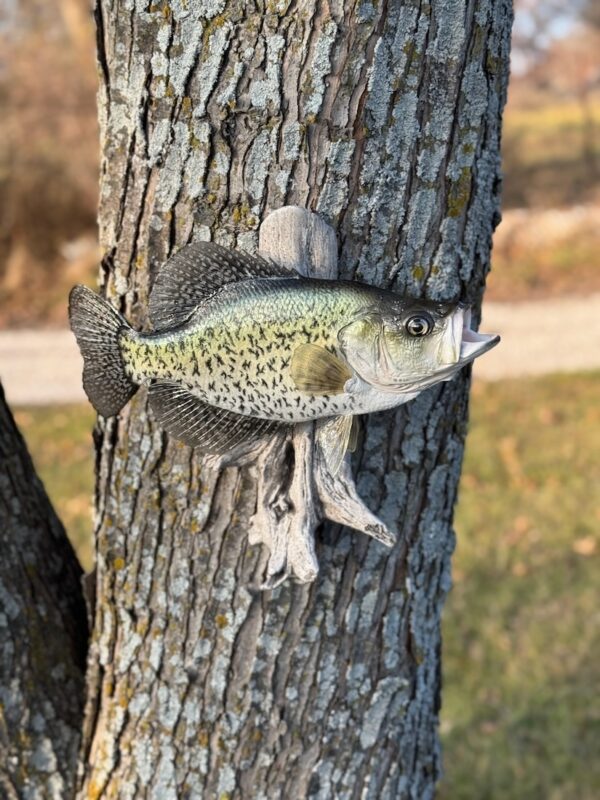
(241, 348)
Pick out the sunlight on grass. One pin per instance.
(546, 122)
(520, 713)
(59, 439)
(520, 716)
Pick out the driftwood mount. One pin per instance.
(296, 490)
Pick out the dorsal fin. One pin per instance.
(197, 272)
(198, 424)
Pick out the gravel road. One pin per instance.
(559, 335)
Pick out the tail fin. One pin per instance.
(97, 326)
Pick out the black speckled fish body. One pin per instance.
(241, 347)
(236, 352)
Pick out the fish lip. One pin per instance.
(471, 344)
(474, 344)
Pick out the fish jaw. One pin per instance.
(467, 345)
(474, 344)
(368, 398)
(463, 345)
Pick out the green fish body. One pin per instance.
(237, 351)
(241, 347)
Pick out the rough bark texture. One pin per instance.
(43, 634)
(384, 118)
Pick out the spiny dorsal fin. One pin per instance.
(198, 424)
(333, 436)
(197, 272)
(315, 370)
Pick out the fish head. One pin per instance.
(407, 345)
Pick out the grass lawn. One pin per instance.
(521, 710)
(521, 715)
(60, 442)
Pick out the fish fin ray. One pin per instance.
(315, 370)
(197, 272)
(198, 424)
(333, 436)
(98, 328)
(353, 435)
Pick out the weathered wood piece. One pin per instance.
(289, 509)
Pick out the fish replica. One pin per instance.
(241, 348)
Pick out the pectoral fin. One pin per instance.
(333, 436)
(315, 370)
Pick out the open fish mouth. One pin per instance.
(473, 343)
(465, 346)
(461, 347)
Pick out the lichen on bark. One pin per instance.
(213, 114)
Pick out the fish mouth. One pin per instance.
(466, 345)
(472, 343)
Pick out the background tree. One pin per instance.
(563, 65)
(384, 119)
(43, 632)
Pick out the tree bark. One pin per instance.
(384, 118)
(43, 634)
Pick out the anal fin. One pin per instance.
(198, 424)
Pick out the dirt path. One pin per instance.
(538, 337)
(40, 367)
(562, 335)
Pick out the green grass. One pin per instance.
(60, 442)
(520, 716)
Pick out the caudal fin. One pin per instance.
(97, 327)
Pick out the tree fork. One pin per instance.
(385, 120)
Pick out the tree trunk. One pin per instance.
(43, 634)
(384, 118)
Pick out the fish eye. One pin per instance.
(419, 325)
